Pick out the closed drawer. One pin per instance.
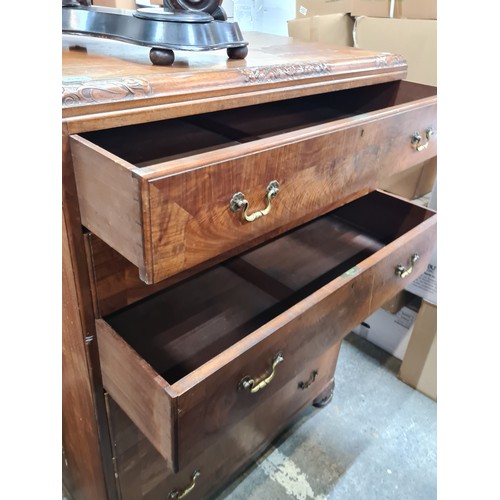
(180, 362)
(163, 194)
(136, 459)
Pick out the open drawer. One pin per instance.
(188, 362)
(227, 455)
(172, 195)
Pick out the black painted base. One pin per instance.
(166, 57)
(163, 29)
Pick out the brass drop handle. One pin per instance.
(239, 202)
(416, 138)
(312, 378)
(250, 384)
(186, 491)
(402, 271)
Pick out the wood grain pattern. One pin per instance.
(186, 325)
(122, 78)
(130, 199)
(315, 175)
(79, 427)
(222, 325)
(87, 458)
(109, 198)
(307, 118)
(143, 394)
(395, 212)
(116, 281)
(142, 472)
(323, 317)
(185, 202)
(214, 404)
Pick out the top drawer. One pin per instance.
(178, 194)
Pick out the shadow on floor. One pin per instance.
(376, 439)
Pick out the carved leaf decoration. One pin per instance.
(307, 70)
(104, 91)
(280, 73)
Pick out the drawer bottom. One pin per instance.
(142, 473)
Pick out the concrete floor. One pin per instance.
(376, 440)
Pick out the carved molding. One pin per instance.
(104, 91)
(388, 59)
(308, 70)
(281, 73)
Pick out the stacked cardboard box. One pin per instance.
(334, 29)
(406, 27)
(390, 332)
(310, 8)
(419, 367)
(408, 9)
(416, 40)
(409, 28)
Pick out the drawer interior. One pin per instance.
(182, 327)
(147, 144)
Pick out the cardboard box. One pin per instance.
(425, 286)
(334, 29)
(116, 4)
(397, 302)
(414, 39)
(419, 9)
(414, 182)
(419, 366)
(373, 8)
(407, 9)
(309, 8)
(390, 332)
(300, 29)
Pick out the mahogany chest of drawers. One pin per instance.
(222, 232)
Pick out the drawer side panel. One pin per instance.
(138, 389)
(109, 199)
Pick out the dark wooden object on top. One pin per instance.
(191, 336)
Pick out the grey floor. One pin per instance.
(375, 440)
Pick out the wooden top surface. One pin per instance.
(102, 76)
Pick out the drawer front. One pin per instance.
(143, 474)
(178, 214)
(191, 219)
(207, 409)
(184, 417)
